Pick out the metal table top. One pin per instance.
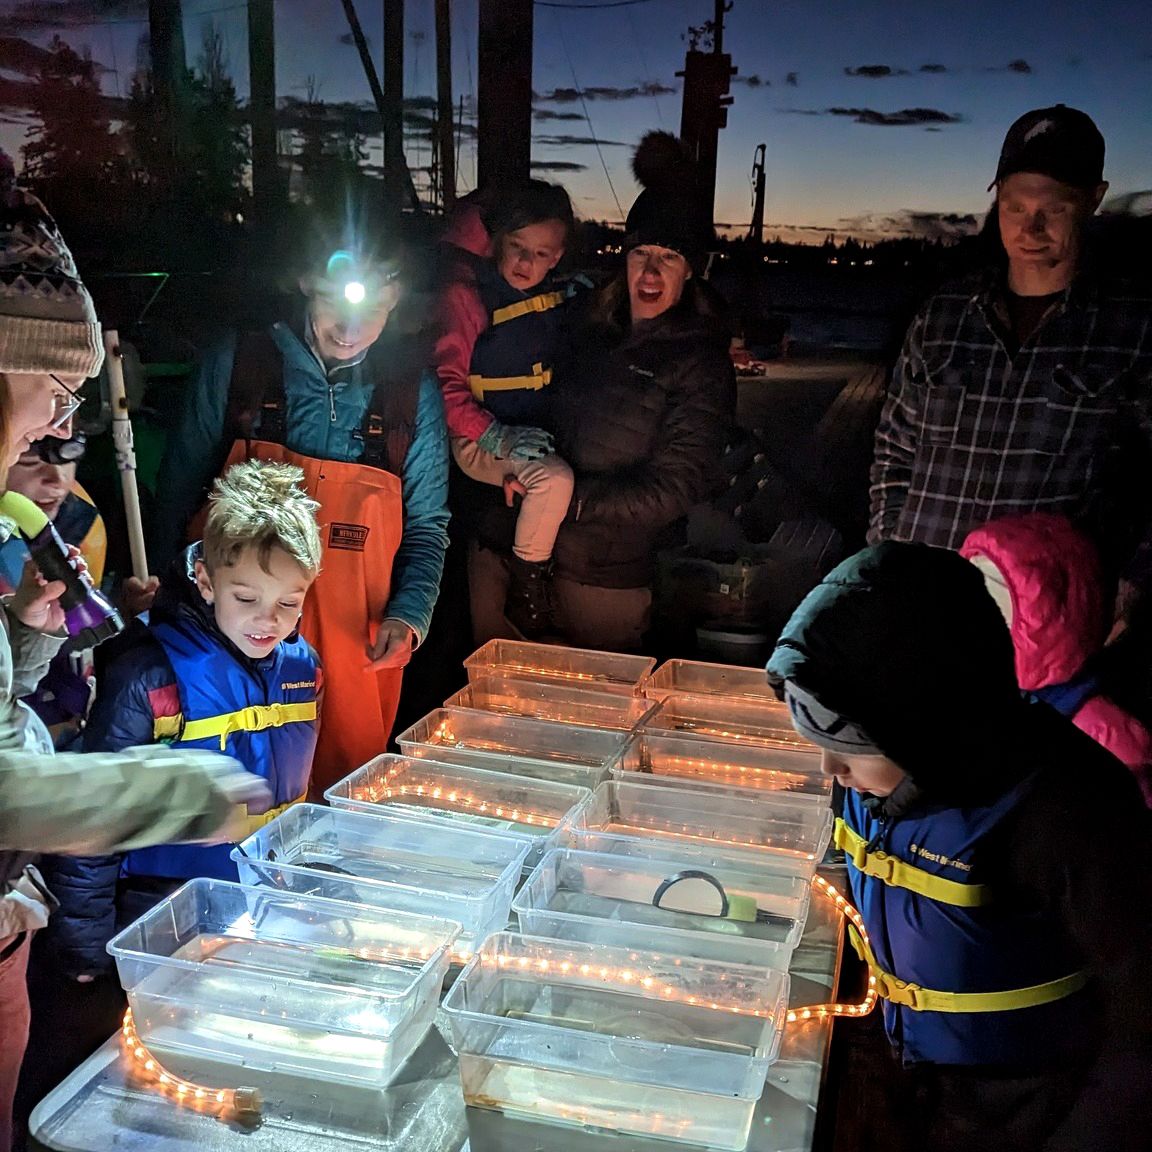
(99, 1107)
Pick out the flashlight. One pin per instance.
(354, 292)
(88, 617)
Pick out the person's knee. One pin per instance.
(548, 476)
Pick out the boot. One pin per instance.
(528, 607)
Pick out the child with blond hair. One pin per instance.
(217, 663)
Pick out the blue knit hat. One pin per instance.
(47, 318)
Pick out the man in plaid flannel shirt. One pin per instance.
(1028, 387)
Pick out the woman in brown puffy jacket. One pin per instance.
(645, 399)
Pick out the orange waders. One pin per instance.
(361, 521)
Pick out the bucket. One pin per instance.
(733, 646)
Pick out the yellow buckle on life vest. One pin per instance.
(919, 999)
(545, 302)
(255, 718)
(899, 874)
(541, 377)
(256, 822)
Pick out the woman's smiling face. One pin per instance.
(656, 279)
(35, 403)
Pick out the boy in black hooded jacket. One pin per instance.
(1000, 859)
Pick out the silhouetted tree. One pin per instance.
(330, 145)
(218, 139)
(189, 184)
(71, 151)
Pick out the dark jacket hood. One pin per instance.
(905, 641)
(178, 598)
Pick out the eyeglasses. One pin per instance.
(67, 405)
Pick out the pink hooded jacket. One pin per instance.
(461, 317)
(1059, 619)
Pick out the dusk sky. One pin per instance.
(880, 116)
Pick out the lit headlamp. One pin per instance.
(53, 450)
(354, 282)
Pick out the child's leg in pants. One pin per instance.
(549, 485)
(549, 482)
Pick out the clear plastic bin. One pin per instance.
(616, 1039)
(756, 916)
(742, 720)
(539, 748)
(580, 667)
(388, 861)
(552, 700)
(518, 806)
(686, 761)
(283, 983)
(654, 820)
(697, 676)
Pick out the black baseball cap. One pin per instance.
(1060, 142)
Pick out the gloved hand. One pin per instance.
(516, 442)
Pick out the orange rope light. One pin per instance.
(824, 1011)
(245, 1102)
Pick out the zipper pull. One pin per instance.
(875, 806)
(331, 404)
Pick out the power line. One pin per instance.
(590, 7)
(588, 117)
(644, 64)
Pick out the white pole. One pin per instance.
(125, 452)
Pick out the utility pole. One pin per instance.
(168, 66)
(396, 175)
(756, 232)
(504, 92)
(389, 101)
(444, 134)
(262, 112)
(166, 46)
(704, 111)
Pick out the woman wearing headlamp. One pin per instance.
(338, 390)
(46, 475)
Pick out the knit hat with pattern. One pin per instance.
(47, 319)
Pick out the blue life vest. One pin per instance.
(959, 940)
(246, 701)
(512, 358)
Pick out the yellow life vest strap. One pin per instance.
(255, 823)
(542, 303)
(897, 991)
(540, 378)
(253, 719)
(900, 874)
